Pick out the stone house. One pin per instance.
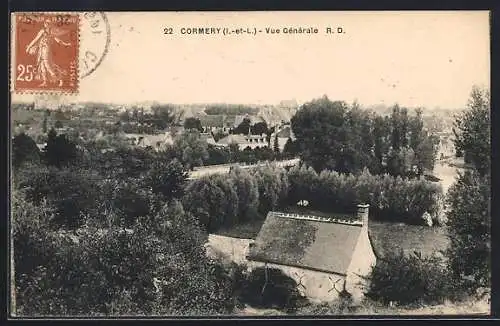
(324, 255)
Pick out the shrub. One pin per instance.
(409, 279)
(280, 291)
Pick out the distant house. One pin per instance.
(326, 256)
(208, 138)
(238, 119)
(244, 141)
(157, 142)
(283, 134)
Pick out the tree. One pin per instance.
(469, 224)
(213, 201)
(191, 149)
(276, 146)
(193, 123)
(58, 124)
(167, 179)
(472, 131)
(24, 149)
(248, 194)
(59, 151)
(72, 193)
(273, 187)
(44, 123)
(323, 135)
(259, 128)
(243, 128)
(163, 115)
(469, 216)
(290, 148)
(380, 147)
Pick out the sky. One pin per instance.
(429, 59)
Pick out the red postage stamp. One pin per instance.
(46, 52)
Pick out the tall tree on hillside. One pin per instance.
(472, 131)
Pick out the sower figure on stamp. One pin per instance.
(41, 46)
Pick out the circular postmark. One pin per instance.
(95, 36)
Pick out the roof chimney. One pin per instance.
(362, 213)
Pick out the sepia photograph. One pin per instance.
(249, 164)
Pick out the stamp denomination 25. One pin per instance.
(46, 52)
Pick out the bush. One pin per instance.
(410, 279)
(280, 291)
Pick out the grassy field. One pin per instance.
(243, 231)
(388, 238)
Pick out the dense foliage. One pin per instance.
(229, 109)
(224, 201)
(24, 149)
(332, 135)
(154, 267)
(469, 199)
(409, 279)
(472, 131)
(390, 198)
(469, 221)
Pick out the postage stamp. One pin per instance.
(46, 52)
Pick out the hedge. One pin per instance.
(390, 198)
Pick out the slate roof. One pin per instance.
(216, 120)
(212, 120)
(232, 139)
(285, 132)
(310, 244)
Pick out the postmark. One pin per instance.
(46, 52)
(95, 38)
